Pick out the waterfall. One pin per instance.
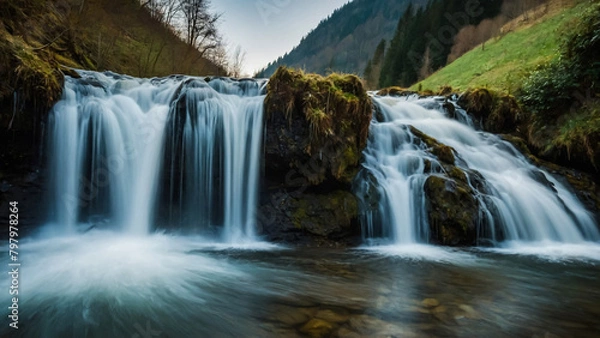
(138, 154)
(516, 203)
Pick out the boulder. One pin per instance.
(315, 131)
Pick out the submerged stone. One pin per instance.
(317, 328)
(430, 302)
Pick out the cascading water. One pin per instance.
(177, 152)
(515, 203)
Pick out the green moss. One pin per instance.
(337, 111)
(457, 174)
(579, 136)
(395, 91)
(325, 213)
(497, 112)
(443, 152)
(33, 72)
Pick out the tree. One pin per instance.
(200, 26)
(164, 11)
(379, 53)
(237, 62)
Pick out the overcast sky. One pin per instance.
(266, 29)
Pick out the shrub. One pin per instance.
(548, 91)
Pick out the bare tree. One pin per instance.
(200, 25)
(218, 56)
(195, 23)
(165, 11)
(237, 62)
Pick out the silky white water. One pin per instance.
(136, 154)
(518, 205)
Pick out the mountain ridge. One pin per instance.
(344, 41)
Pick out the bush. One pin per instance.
(548, 91)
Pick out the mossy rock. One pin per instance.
(399, 91)
(478, 102)
(316, 125)
(445, 90)
(443, 152)
(453, 211)
(396, 91)
(495, 112)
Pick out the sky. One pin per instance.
(267, 29)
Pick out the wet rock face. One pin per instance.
(327, 219)
(453, 211)
(315, 131)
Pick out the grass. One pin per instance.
(580, 133)
(504, 62)
(121, 37)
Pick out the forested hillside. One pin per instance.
(428, 38)
(345, 41)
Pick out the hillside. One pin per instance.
(38, 38)
(346, 40)
(503, 62)
(100, 35)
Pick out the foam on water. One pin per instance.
(551, 251)
(423, 252)
(106, 281)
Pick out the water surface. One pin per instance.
(104, 284)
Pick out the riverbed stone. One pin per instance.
(292, 316)
(317, 328)
(365, 323)
(469, 311)
(338, 316)
(344, 332)
(439, 309)
(430, 302)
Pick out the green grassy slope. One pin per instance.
(504, 62)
